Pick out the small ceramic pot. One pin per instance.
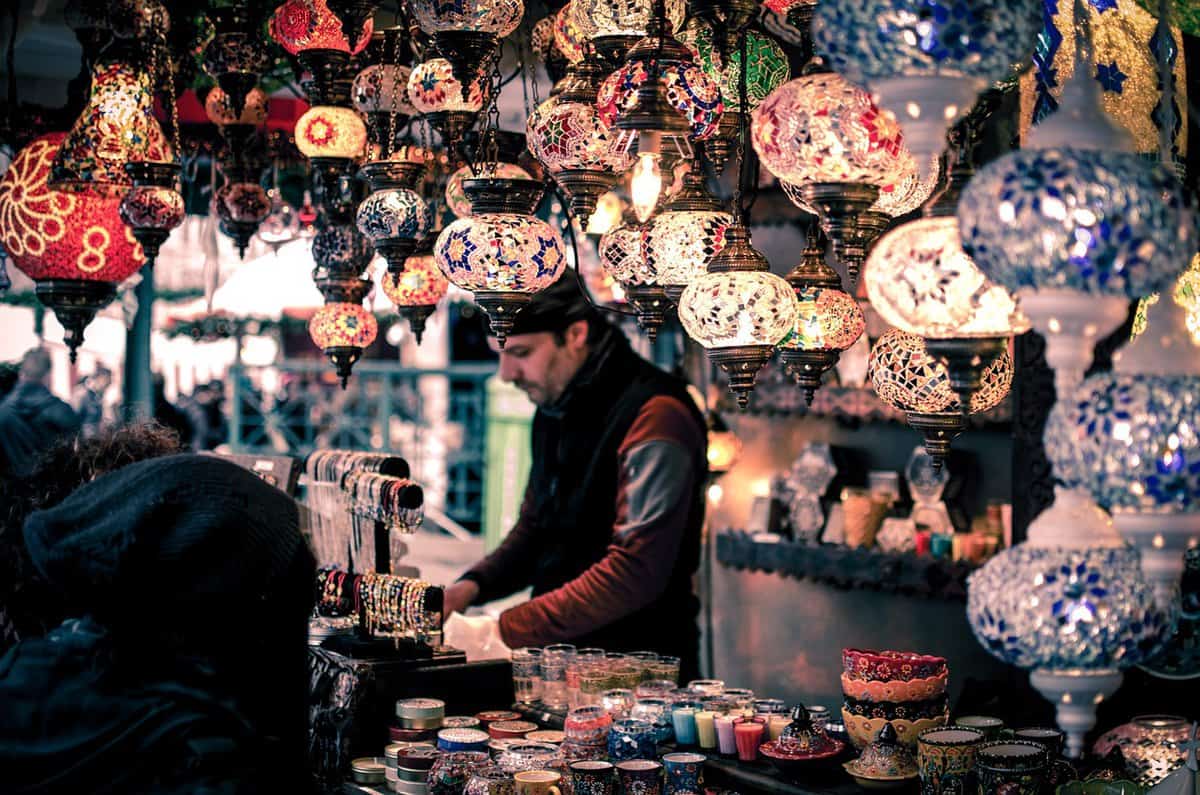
(883, 666)
(884, 763)
(450, 773)
(1011, 767)
(1054, 740)
(451, 740)
(946, 760)
(685, 773)
(640, 777)
(538, 782)
(632, 739)
(903, 710)
(991, 727)
(490, 781)
(862, 729)
(593, 777)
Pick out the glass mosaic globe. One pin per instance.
(152, 207)
(500, 252)
(219, 109)
(622, 254)
(456, 197)
(243, 202)
(679, 244)
(394, 213)
(498, 17)
(826, 320)
(822, 128)
(907, 377)
(1130, 440)
(341, 248)
(621, 17)
(568, 38)
(910, 190)
(571, 135)
(432, 88)
(919, 279)
(330, 131)
(690, 91)
(768, 64)
(382, 88)
(299, 25)
(737, 308)
(1099, 222)
(419, 284)
(343, 325)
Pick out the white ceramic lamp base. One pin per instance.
(1071, 322)
(1162, 539)
(1075, 696)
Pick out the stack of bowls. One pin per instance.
(585, 734)
(905, 689)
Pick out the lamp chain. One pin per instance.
(741, 209)
(394, 69)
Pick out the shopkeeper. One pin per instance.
(609, 530)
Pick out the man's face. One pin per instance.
(101, 382)
(540, 365)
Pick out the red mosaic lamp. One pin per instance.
(343, 330)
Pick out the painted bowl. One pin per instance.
(894, 710)
(885, 666)
(863, 730)
(790, 761)
(895, 689)
(871, 781)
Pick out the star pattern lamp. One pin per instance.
(417, 290)
(394, 216)
(615, 26)
(343, 331)
(437, 93)
(467, 33)
(154, 205)
(623, 256)
(682, 240)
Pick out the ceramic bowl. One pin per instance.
(895, 689)
(897, 710)
(885, 666)
(791, 762)
(876, 782)
(863, 730)
(511, 729)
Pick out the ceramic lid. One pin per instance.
(884, 758)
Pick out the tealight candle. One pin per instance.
(775, 726)
(747, 737)
(684, 721)
(706, 731)
(726, 741)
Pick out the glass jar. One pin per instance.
(520, 757)
(554, 674)
(664, 668)
(617, 702)
(527, 675)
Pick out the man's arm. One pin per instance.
(510, 566)
(655, 488)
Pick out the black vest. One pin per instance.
(574, 483)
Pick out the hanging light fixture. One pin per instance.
(825, 135)
(1032, 223)
(684, 238)
(343, 330)
(568, 38)
(615, 26)
(502, 252)
(394, 216)
(622, 252)
(450, 105)
(380, 91)
(153, 206)
(566, 134)
(907, 377)
(241, 207)
(233, 57)
(457, 200)
(73, 244)
(926, 62)
(417, 290)
(798, 13)
(220, 111)
(467, 34)
(282, 224)
(828, 320)
(308, 26)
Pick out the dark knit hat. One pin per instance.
(184, 536)
(556, 307)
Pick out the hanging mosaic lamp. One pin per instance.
(117, 126)
(380, 91)
(332, 137)
(303, 26)
(241, 207)
(615, 26)
(769, 70)
(234, 57)
(457, 200)
(828, 320)
(568, 38)
(467, 33)
(220, 111)
(441, 97)
(686, 236)
(566, 134)
(724, 21)
(824, 134)
(739, 311)
(502, 252)
(282, 224)
(343, 330)
(908, 378)
(394, 216)
(927, 60)
(73, 244)
(1077, 224)
(622, 253)
(1069, 604)
(798, 13)
(154, 205)
(417, 290)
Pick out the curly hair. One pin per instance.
(27, 606)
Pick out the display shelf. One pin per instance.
(846, 567)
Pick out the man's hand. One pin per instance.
(459, 597)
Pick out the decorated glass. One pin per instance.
(621, 17)
(117, 126)
(1107, 223)
(680, 244)
(823, 128)
(1186, 294)
(342, 249)
(300, 25)
(220, 111)
(420, 283)
(623, 254)
(330, 131)
(541, 39)
(394, 213)
(737, 308)
(571, 135)
(152, 207)
(432, 88)
(910, 190)
(909, 378)
(499, 17)
(244, 202)
(826, 320)
(1130, 440)
(343, 325)
(568, 38)
(768, 64)
(234, 52)
(382, 88)
(456, 197)
(919, 279)
(52, 234)
(500, 252)
(690, 91)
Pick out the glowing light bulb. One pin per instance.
(645, 185)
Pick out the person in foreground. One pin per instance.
(609, 530)
(184, 670)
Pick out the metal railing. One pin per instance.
(291, 408)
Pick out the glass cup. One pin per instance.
(584, 660)
(617, 702)
(644, 659)
(554, 674)
(664, 668)
(527, 675)
(654, 688)
(707, 687)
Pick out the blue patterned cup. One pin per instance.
(632, 739)
(593, 777)
(685, 773)
(640, 777)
